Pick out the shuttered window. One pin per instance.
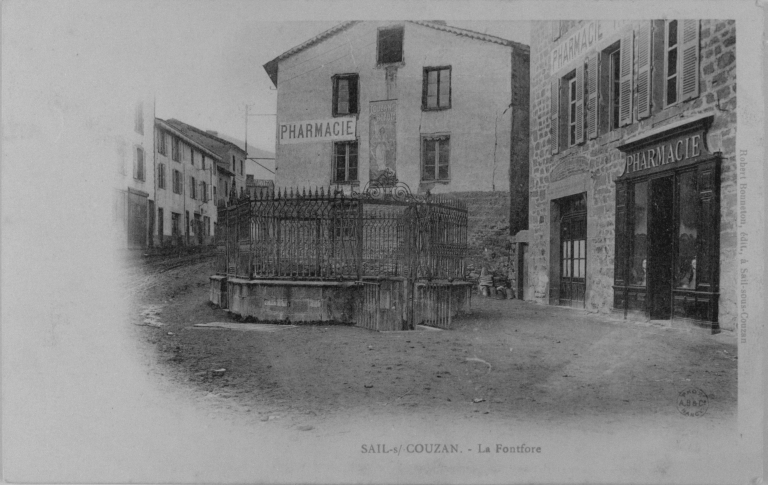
(138, 164)
(160, 175)
(644, 71)
(579, 104)
(681, 61)
(554, 122)
(591, 104)
(625, 80)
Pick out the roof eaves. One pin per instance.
(470, 33)
(205, 134)
(166, 126)
(271, 66)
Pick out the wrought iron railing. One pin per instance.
(383, 231)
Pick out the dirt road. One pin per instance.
(507, 359)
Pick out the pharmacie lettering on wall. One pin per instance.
(677, 150)
(333, 129)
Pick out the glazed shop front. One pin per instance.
(667, 226)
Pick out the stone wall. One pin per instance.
(487, 231)
(593, 166)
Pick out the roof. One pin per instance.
(271, 66)
(181, 134)
(212, 142)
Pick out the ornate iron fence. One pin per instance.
(383, 231)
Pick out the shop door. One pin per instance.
(573, 257)
(660, 248)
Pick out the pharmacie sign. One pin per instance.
(333, 129)
(582, 40)
(675, 150)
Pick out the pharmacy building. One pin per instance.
(633, 169)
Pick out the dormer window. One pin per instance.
(390, 45)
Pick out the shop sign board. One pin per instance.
(679, 149)
(333, 129)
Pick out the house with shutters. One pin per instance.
(186, 174)
(633, 169)
(435, 107)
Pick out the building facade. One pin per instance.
(134, 179)
(633, 169)
(439, 108)
(187, 177)
(232, 159)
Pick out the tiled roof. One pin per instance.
(271, 66)
(213, 142)
(186, 137)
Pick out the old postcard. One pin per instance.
(383, 242)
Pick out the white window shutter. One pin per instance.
(592, 77)
(580, 103)
(554, 131)
(644, 71)
(689, 66)
(625, 78)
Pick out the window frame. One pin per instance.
(379, 31)
(139, 164)
(334, 164)
(425, 88)
(192, 187)
(350, 78)
(175, 149)
(571, 120)
(176, 181)
(161, 175)
(667, 50)
(162, 147)
(437, 137)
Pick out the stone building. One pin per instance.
(633, 169)
(438, 108)
(186, 188)
(134, 178)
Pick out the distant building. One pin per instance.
(187, 180)
(633, 168)
(231, 167)
(134, 178)
(259, 187)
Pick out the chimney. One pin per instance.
(212, 132)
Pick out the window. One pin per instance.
(345, 161)
(186, 224)
(160, 224)
(214, 195)
(670, 63)
(242, 167)
(572, 111)
(614, 74)
(138, 168)
(203, 191)
(175, 149)
(202, 161)
(435, 158)
(192, 156)
(436, 92)
(176, 182)
(687, 230)
(390, 45)
(639, 236)
(139, 122)
(161, 175)
(234, 165)
(681, 61)
(162, 149)
(226, 188)
(192, 188)
(345, 94)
